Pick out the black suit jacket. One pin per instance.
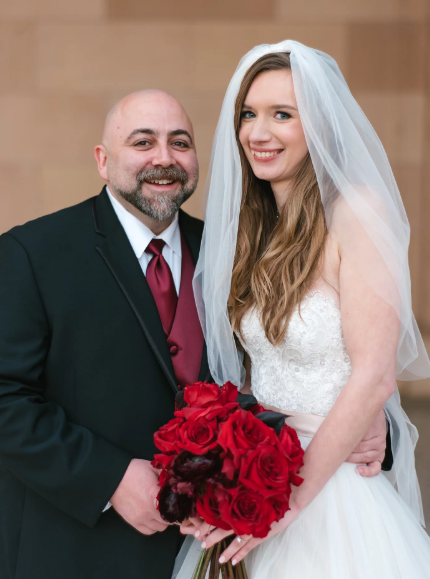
(86, 379)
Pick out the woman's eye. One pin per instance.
(282, 116)
(247, 115)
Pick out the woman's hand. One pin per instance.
(243, 544)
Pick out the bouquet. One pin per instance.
(228, 460)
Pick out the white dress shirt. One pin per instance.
(140, 236)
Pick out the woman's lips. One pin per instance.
(265, 156)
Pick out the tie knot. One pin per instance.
(156, 247)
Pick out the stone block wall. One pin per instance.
(63, 64)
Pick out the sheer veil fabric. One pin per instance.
(353, 170)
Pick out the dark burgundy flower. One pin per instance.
(179, 400)
(175, 507)
(188, 466)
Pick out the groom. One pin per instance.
(98, 327)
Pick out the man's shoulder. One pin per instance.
(194, 224)
(65, 222)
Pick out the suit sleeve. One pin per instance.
(70, 466)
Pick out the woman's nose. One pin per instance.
(259, 132)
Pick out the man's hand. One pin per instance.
(371, 449)
(135, 498)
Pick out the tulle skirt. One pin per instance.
(356, 528)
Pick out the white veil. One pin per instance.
(347, 156)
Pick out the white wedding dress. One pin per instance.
(356, 528)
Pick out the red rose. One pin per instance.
(163, 478)
(165, 438)
(289, 444)
(198, 436)
(266, 470)
(162, 460)
(281, 504)
(208, 505)
(242, 432)
(229, 468)
(201, 394)
(248, 512)
(257, 408)
(208, 400)
(216, 410)
(229, 392)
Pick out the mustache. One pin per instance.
(163, 173)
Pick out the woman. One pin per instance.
(305, 259)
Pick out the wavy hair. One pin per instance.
(277, 258)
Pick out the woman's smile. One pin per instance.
(265, 155)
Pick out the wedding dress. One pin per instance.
(356, 528)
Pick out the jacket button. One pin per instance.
(174, 350)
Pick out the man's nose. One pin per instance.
(163, 156)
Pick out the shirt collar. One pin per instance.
(140, 236)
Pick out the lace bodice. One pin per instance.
(307, 371)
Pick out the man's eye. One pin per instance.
(247, 115)
(180, 144)
(142, 143)
(282, 116)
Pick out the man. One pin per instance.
(98, 327)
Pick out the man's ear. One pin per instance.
(101, 159)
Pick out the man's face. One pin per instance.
(151, 158)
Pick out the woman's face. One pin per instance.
(271, 132)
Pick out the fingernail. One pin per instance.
(197, 534)
(204, 545)
(234, 562)
(222, 559)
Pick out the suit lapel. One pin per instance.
(115, 249)
(193, 237)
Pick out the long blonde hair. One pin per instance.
(276, 259)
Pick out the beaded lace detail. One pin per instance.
(307, 371)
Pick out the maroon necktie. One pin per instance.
(160, 280)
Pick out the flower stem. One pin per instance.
(215, 564)
(208, 559)
(199, 565)
(243, 568)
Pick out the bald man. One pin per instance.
(98, 329)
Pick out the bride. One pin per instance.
(303, 290)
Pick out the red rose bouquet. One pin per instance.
(228, 460)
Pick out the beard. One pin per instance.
(160, 206)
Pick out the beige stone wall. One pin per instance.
(64, 62)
